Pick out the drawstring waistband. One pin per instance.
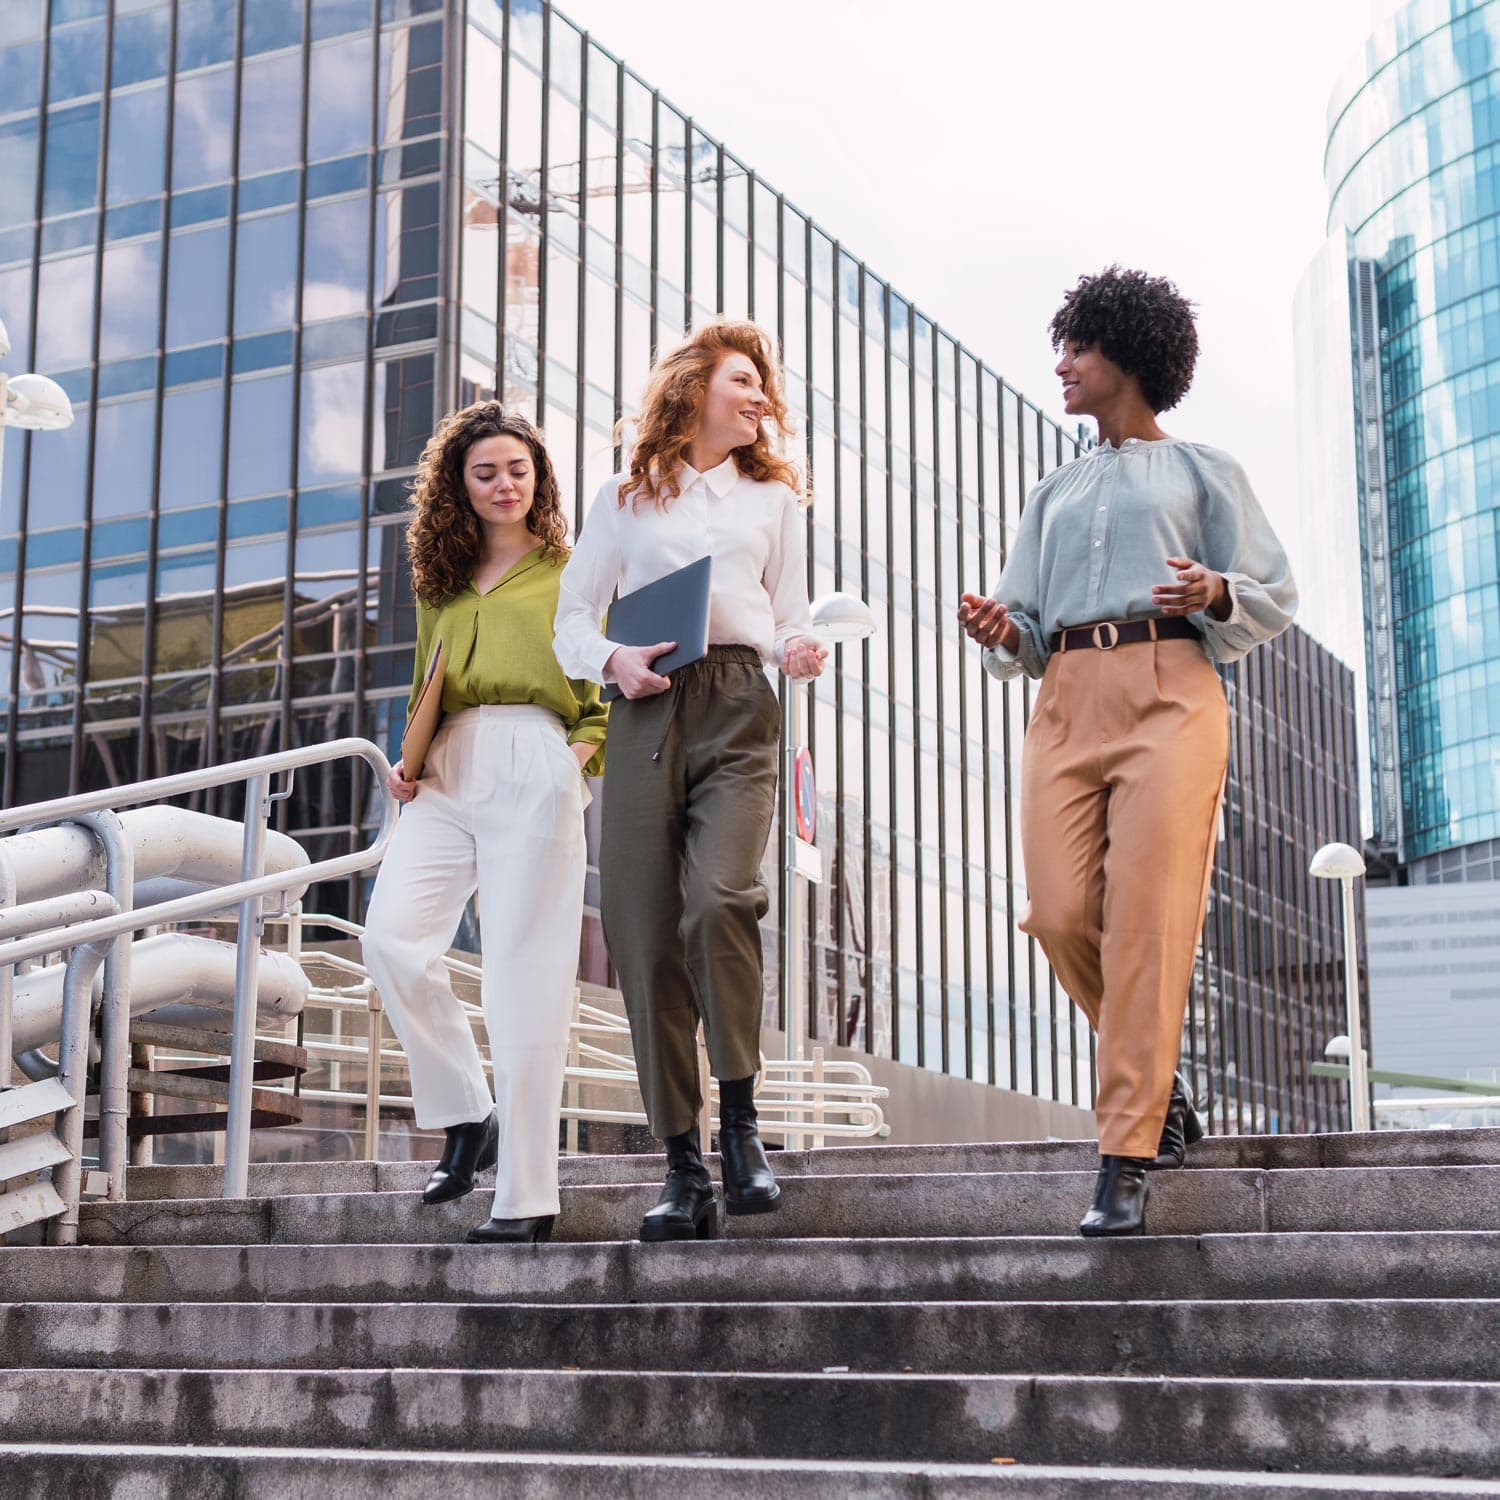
(715, 656)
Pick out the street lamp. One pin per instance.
(1342, 863)
(30, 401)
(836, 618)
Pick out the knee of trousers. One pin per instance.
(720, 913)
(1056, 923)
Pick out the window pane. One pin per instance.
(123, 439)
(401, 410)
(271, 114)
(140, 47)
(406, 244)
(411, 82)
(205, 33)
(72, 179)
(197, 270)
(272, 24)
(338, 98)
(334, 264)
(203, 132)
(191, 444)
(21, 76)
(265, 274)
(58, 465)
(332, 430)
(128, 298)
(76, 63)
(260, 435)
(65, 330)
(137, 131)
(18, 172)
(330, 17)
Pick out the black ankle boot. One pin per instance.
(512, 1231)
(749, 1184)
(1182, 1128)
(687, 1208)
(470, 1148)
(1120, 1193)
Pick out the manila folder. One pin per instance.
(426, 715)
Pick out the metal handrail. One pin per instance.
(247, 893)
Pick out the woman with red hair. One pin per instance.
(690, 785)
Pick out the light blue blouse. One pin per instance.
(1096, 535)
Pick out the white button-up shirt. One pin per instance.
(754, 530)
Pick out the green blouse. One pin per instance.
(498, 649)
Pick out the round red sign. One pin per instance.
(807, 795)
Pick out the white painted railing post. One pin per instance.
(246, 975)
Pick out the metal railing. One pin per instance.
(806, 1101)
(34, 929)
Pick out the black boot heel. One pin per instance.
(513, 1231)
(687, 1209)
(1120, 1193)
(1180, 1129)
(750, 1186)
(469, 1149)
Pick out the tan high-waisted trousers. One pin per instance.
(1121, 777)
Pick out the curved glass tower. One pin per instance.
(1413, 172)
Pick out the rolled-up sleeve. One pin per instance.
(585, 590)
(1019, 590)
(785, 577)
(1237, 541)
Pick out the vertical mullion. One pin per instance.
(1021, 488)
(940, 737)
(867, 980)
(655, 221)
(719, 232)
(1041, 434)
(618, 374)
(982, 584)
(543, 218)
(920, 925)
(81, 668)
(687, 223)
(964, 887)
(216, 644)
(580, 350)
(502, 207)
(153, 524)
(893, 738)
(286, 666)
(836, 906)
(1005, 751)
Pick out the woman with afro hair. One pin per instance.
(497, 813)
(1134, 569)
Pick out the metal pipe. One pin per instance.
(73, 1070)
(247, 963)
(1359, 1081)
(794, 982)
(114, 1016)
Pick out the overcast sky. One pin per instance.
(979, 154)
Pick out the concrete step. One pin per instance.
(1450, 1340)
(1250, 1266)
(853, 1206)
(1397, 1148)
(37, 1471)
(1340, 1427)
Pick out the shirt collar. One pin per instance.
(720, 481)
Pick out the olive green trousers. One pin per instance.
(689, 797)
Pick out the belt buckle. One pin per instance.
(1114, 635)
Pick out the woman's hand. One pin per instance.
(401, 789)
(631, 668)
(1197, 588)
(804, 657)
(584, 751)
(988, 622)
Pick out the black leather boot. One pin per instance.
(1182, 1128)
(512, 1231)
(1120, 1193)
(470, 1148)
(687, 1209)
(749, 1184)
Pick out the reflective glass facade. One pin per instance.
(265, 242)
(1413, 170)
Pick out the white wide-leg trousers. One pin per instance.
(500, 812)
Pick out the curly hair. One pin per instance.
(1141, 323)
(442, 537)
(670, 405)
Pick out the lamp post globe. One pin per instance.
(35, 402)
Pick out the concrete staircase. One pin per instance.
(1310, 1316)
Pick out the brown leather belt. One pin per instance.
(1108, 634)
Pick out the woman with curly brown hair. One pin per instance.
(504, 776)
(691, 784)
(1135, 567)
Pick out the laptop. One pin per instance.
(673, 608)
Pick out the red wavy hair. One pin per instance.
(674, 396)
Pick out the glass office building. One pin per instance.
(264, 243)
(1413, 173)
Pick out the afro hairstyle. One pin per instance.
(1141, 323)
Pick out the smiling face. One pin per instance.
(1091, 383)
(500, 479)
(733, 405)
